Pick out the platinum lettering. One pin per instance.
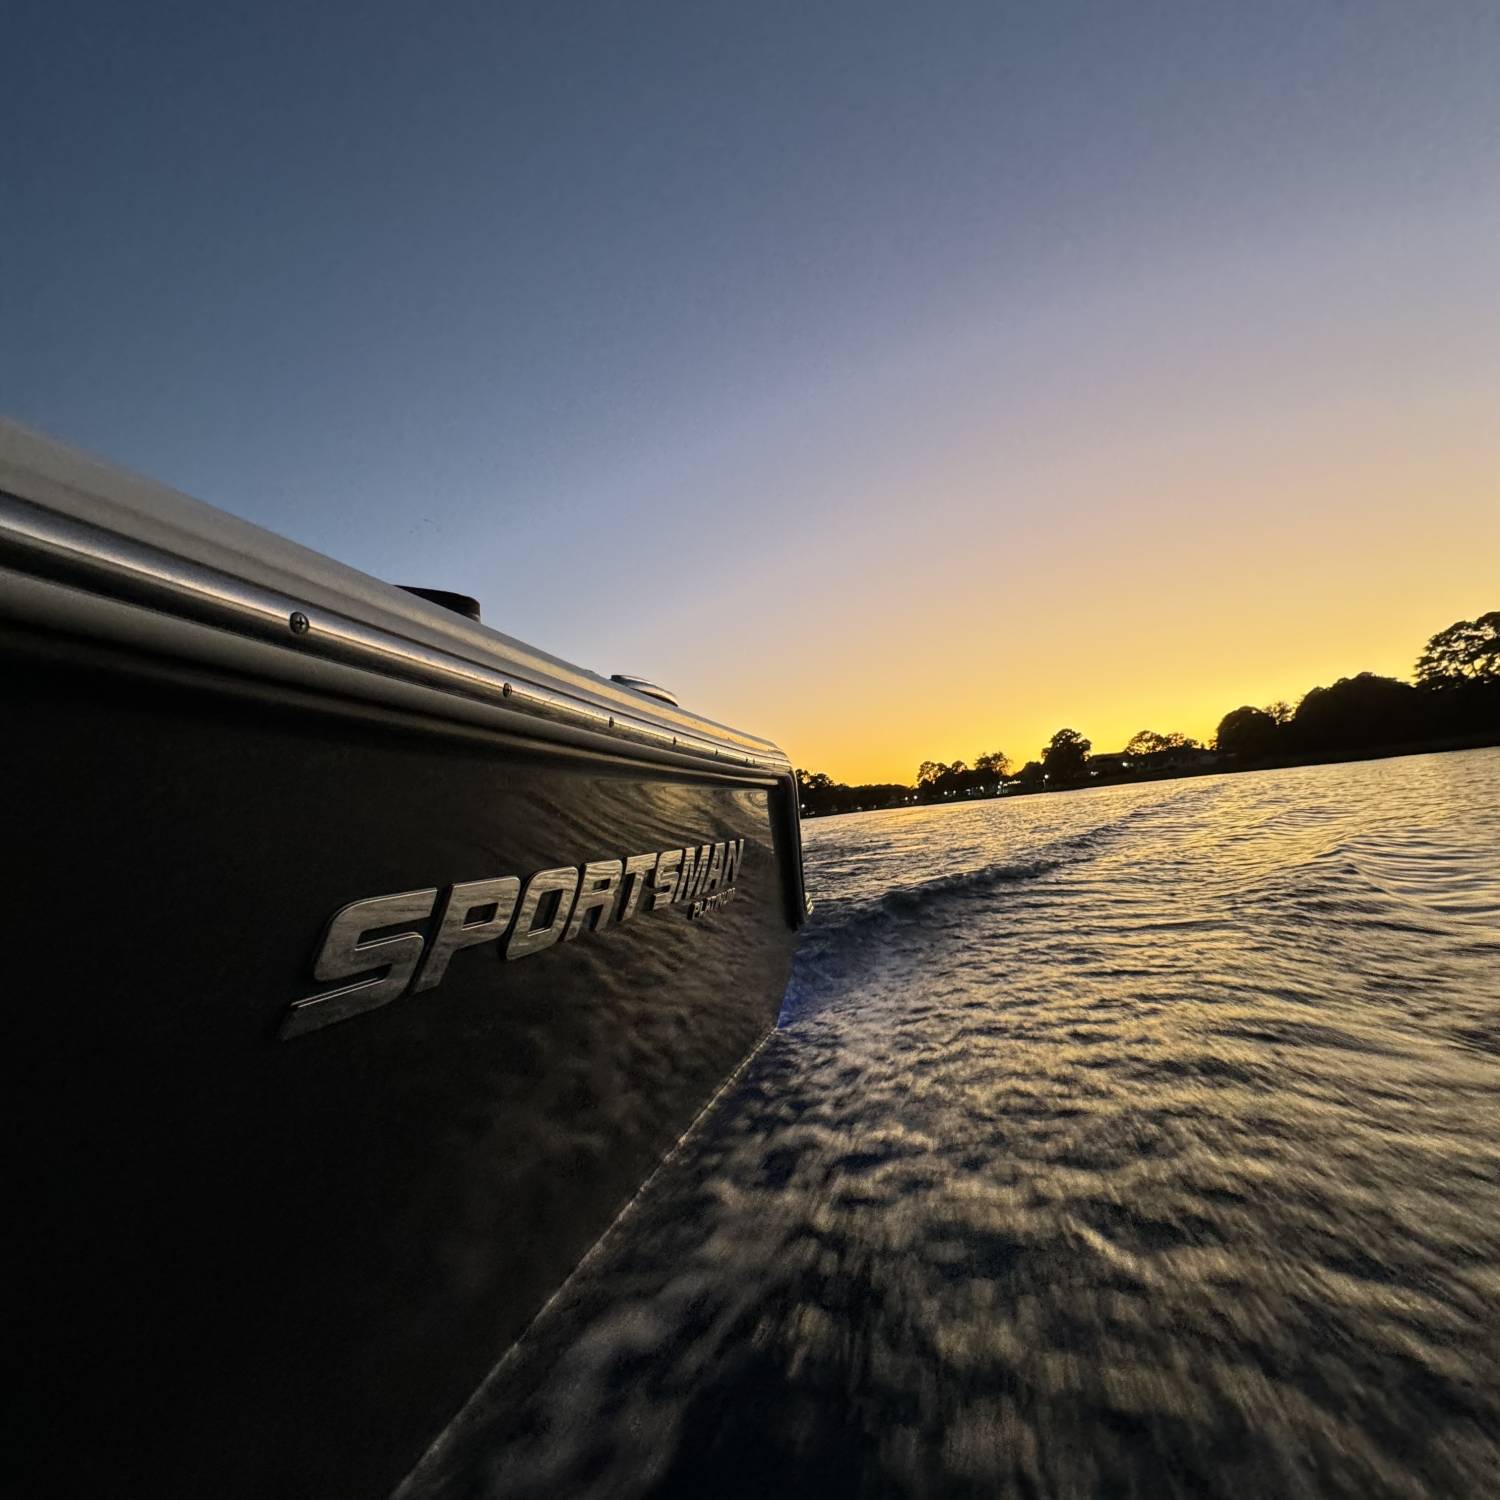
(388, 946)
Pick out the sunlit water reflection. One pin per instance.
(1142, 1141)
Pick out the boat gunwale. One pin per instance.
(107, 535)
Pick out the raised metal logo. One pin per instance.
(404, 943)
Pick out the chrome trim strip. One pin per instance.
(239, 662)
(85, 556)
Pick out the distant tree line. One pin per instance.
(821, 794)
(1453, 702)
(1456, 697)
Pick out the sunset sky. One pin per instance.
(900, 381)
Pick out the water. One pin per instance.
(1142, 1141)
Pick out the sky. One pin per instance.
(899, 381)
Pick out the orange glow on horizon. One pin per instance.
(891, 744)
(1164, 622)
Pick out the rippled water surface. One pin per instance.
(1142, 1141)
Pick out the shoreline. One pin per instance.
(1488, 740)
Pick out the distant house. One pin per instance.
(1153, 763)
(1196, 759)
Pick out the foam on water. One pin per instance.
(1142, 1141)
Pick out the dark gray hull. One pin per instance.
(264, 1266)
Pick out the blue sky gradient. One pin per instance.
(766, 348)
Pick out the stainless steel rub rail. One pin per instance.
(45, 543)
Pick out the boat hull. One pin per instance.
(263, 1257)
(279, 1266)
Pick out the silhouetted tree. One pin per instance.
(1459, 671)
(1468, 651)
(960, 780)
(1030, 775)
(994, 763)
(1280, 712)
(1066, 758)
(1247, 733)
(1356, 713)
(1149, 742)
